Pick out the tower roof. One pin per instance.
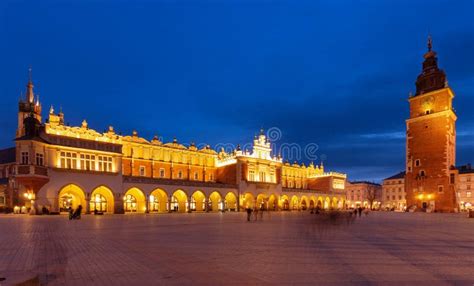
(431, 77)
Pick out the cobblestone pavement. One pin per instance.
(216, 249)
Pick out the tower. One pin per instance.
(431, 140)
(28, 106)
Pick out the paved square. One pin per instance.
(217, 249)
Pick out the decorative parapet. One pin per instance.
(328, 174)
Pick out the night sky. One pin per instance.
(336, 73)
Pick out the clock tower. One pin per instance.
(431, 140)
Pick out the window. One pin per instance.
(98, 203)
(468, 194)
(388, 198)
(68, 160)
(440, 189)
(251, 175)
(468, 179)
(211, 177)
(87, 162)
(142, 171)
(104, 163)
(39, 159)
(180, 174)
(399, 197)
(130, 203)
(417, 163)
(162, 173)
(192, 205)
(393, 197)
(24, 158)
(262, 176)
(196, 176)
(422, 173)
(2, 200)
(468, 187)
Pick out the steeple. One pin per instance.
(431, 77)
(29, 106)
(30, 96)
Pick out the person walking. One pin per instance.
(249, 213)
(359, 210)
(71, 213)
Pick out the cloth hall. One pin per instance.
(54, 166)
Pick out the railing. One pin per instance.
(31, 170)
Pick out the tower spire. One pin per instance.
(30, 97)
(430, 43)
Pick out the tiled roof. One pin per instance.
(400, 175)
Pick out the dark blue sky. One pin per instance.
(333, 73)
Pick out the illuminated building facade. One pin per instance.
(465, 187)
(56, 166)
(363, 194)
(431, 141)
(393, 192)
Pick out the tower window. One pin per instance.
(39, 159)
(142, 171)
(24, 158)
(422, 173)
(440, 189)
(417, 163)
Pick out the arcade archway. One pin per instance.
(230, 201)
(71, 196)
(179, 202)
(215, 202)
(158, 201)
(102, 200)
(134, 201)
(198, 202)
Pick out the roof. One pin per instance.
(400, 175)
(8, 155)
(465, 169)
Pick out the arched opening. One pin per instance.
(261, 202)
(230, 201)
(294, 203)
(285, 203)
(215, 202)
(158, 201)
(327, 203)
(102, 200)
(71, 196)
(272, 203)
(198, 202)
(134, 201)
(179, 202)
(248, 201)
(304, 203)
(334, 203)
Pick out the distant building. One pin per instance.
(363, 194)
(431, 141)
(393, 192)
(7, 183)
(464, 187)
